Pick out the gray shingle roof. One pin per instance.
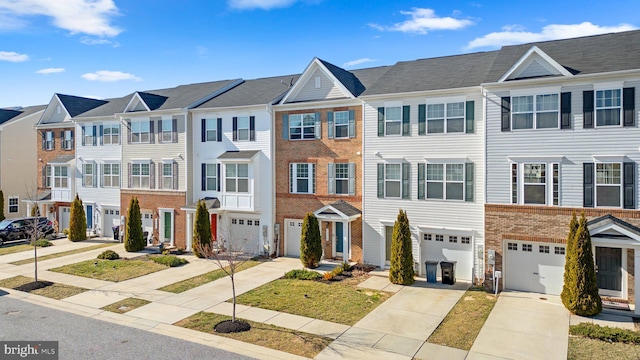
(7, 114)
(244, 154)
(612, 219)
(76, 105)
(62, 159)
(209, 202)
(346, 208)
(253, 92)
(10, 115)
(182, 96)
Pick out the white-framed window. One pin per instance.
(237, 178)
(302, 178)
(302, 126)
(13, 204)
(60, 176)
(445, 181)
(393, 120)
(166, 132)
(243, 128)
(167, 175)
(140, 175)
(393, 180)
(140, 132)
(342, 178)
(211, 177)
(446, 118)
(609, 184)
(111, 134)
(88, 135)
(89, 174)
(67, 141)
(49, 143)
(535, 183)
(111, 175)
(341, 124)
(608, 107)
(48, 175)
(211, 129)
(535, 111)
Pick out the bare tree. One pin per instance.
(230, 252)
(33, 229)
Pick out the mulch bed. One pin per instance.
(229, 326)
(34, 285)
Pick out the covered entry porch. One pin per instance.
(336, 229)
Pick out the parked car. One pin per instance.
(23, 228)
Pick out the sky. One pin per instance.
(110, 48)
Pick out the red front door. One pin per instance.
(214, 226)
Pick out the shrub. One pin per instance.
(65, 232)
(338, 270)
(401, 270)
(77, 221)
(109, 255)
(166, 252)
(328, 276)
(133, 238)
(303, 274)
(169, 260)
(43, 243)
(310, 242)
(201, 230)
(605, 333)
(346, 267)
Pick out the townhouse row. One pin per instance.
(489, 153)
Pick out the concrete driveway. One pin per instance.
(524, 326)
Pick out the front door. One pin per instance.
(339, 238)
(388, 235)
(89, 216)
(214, 226)
(167, 227)
(609, 267)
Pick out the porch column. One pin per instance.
(636, 253)
(189, 230)
(345, 241)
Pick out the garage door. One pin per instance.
(111, 219)
(534, 266)
(293, 228)
(65, 216)
(436, 247)
(246, 232)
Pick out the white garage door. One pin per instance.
(111, 219)
(449, 248)
(246, 232)
(293, 230)
(534, 266)
(65, 216)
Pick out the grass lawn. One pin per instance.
(125, 305)
(585, 348)
(340, 302)
(60, 254)
(15, 248)
(111, 270)
(52, 290)
(274, 337)
(194, 282)
(461, 326)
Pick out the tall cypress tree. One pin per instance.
(568, 286)
(77, 221)
(310, 242)
(133, 238)
(201, 230)
(401, 270)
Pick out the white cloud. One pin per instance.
(98, 41)
(357, 62)
(50, 71)
(13, 56)
(109, 76)
(91, 17)
(515, 34)
(424, 20)
(260, 4)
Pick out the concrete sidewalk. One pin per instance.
(524, 326)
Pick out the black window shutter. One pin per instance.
(422, 121)
(175, 175)
(152, 175)
(380, 121)
(95, 136)
(406, 180)
(252, 128)
(470, 117)
(406, 120)
(218, 176)
(421, 171)
(629, 174)
(101, 135)
(235, 128)
(203, 177)
(160, 140)
(469, 178)
(174, 130)
(84, 132)
(565, 110)
(128, 133)
(285, 126)
(506, 113)
(152, 136)
(219, 130)
(352, 123)
(628, 106)
(44, 139)
(203, 127)
(72, 140)
(587, 185)
(44, 176)
(587, 109)
(329, 124)
(380, 180)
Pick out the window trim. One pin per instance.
(111, 135)
(620, 185)
(293, 178)
(89, 166)
(248, 128)
(67, 143)
(140, 133)
(55, 178)
(387, 121)
(619, 107)
(16, 205)
(444, 181)
(446, 117)
(49, 141)
(336, 125)
(552, 182)
(535, 110)
(399, 180)
(111, 176)
(163, 176)
(140, 177)
(237, 178)
(315, 126)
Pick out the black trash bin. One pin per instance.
(448, 272)
(116, 232)
(432, 269)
